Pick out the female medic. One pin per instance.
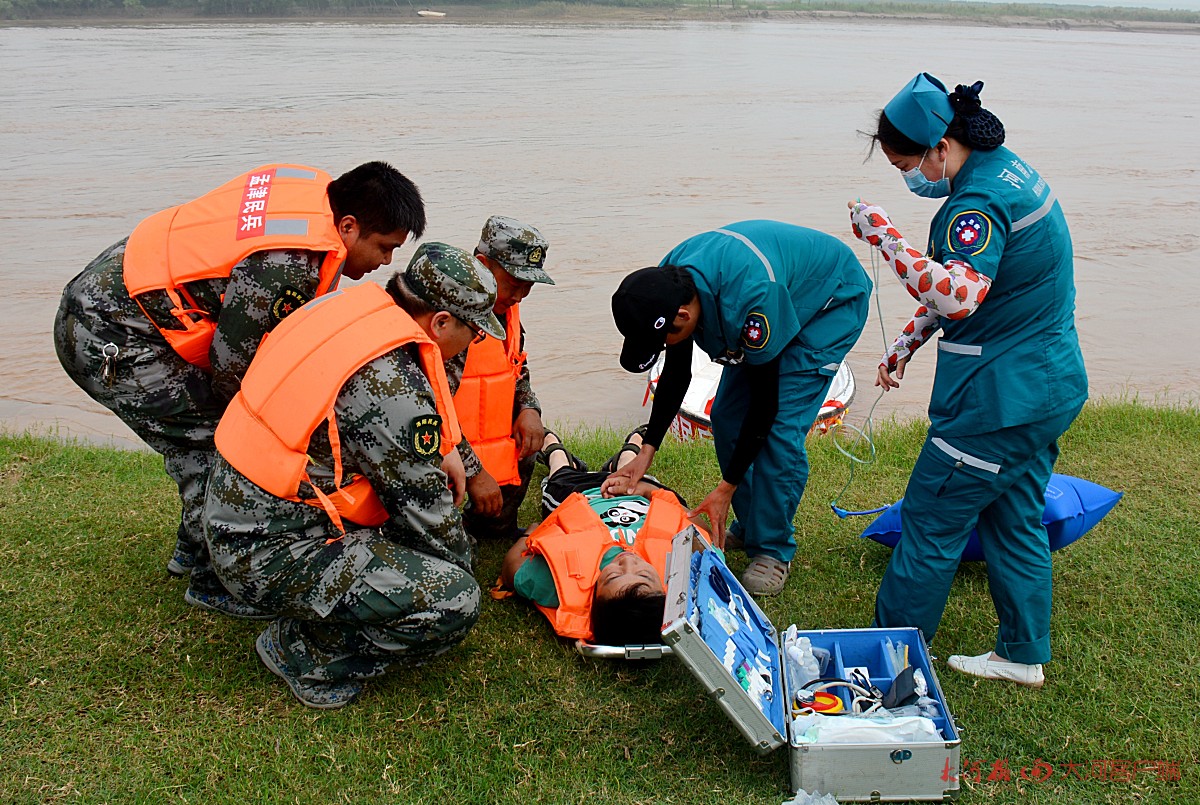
(996, 277)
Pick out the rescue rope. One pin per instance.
(867, 431)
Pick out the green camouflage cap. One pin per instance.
(520, 249)
(453, 280)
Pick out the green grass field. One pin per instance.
(112, 689)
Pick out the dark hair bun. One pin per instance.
(983, 129)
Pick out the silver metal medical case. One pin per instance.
(761, 710)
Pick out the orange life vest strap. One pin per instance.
(665, 518)
(485, 399)
(572, 540)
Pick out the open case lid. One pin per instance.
(714, 626)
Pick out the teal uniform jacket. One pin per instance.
(1015, 359)
(1010, 380)
(771, 290)
(763, 284)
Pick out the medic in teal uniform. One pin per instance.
(997, 279)
(780, 306)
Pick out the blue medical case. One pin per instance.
(699, 634)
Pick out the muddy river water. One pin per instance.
(617, 142)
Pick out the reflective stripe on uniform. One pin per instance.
(959, 349)
(1035, 216)
(965, 458)
(295, 173)
(286, 226)
(766, 263)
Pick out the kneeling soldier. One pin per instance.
(327, 503)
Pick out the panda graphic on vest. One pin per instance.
(624, 517)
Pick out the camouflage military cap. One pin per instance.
(520, 249)
(453, 280)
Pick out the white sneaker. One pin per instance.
(984, 666)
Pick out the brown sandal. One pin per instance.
(765, 575)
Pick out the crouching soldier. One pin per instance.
(500, 415)
(327, 503)
(161, 326)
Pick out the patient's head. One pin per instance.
(628, 605)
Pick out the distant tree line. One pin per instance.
(134, 9)
(35, 9)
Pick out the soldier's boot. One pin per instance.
(184, 557)
(226, 604)
(206, 592)
(311, 693)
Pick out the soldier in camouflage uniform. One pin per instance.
(354, 606)
(515, 254)
(113, 351)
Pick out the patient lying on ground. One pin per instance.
(595, 566)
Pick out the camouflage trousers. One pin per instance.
(165, 400)
(401, 607)
(504, 525)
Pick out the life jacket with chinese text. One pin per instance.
(272, 207)
(485, 398)
(294, 381)
(573, 540)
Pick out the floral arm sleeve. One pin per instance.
(951, 291)
(919, 330)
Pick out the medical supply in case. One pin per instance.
(820, 692)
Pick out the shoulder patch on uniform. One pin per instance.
(756, 331)
(969, 232)
(287, 302)
(427, 435)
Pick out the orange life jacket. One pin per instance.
(573, 540)
(293, 382)
(485, 397)
(272, 207)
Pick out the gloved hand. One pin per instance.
(871, 225)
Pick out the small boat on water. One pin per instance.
(694, 418)
(427, 13)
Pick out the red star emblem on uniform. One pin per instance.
(426, 438)
(287, 308)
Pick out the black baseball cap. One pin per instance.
(644, 305)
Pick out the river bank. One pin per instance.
(116, 690)
(560, 13)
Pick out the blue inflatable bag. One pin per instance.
(1073, 506)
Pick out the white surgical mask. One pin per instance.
(920, 184)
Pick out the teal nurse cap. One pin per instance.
(921, 111)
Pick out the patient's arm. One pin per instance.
(512, 561)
